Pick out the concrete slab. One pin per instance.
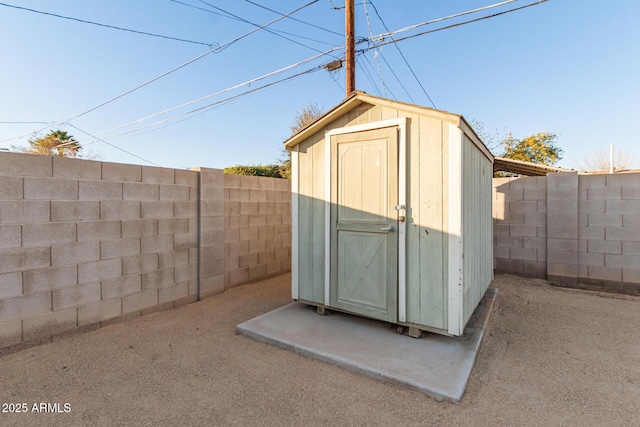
(434, 364)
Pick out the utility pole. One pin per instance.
(350, 55)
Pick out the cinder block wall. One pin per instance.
(257, 221)
(578, 230)
(85, 243)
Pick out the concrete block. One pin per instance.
(523, 206)
(25, 306)
(139, 301)
(631, 275)
(11, 285)
(605, 220)
(230, 180)
(139, 228)
(232, 235)
(138, 191)
(186, 272)
(50, 189)
(596, 181)
(237, 277)
(267, 232)
(239, 221)
(535, 218)
(562, 219)
(631, 248)
(233, 208)
(174, 192)
(119, 209)
(193, 225)
(257, 272)
(248, 260)
(534, 268)
(282, 208)
(159, 278)
(156, 175)
(605, 273)
(604, 193)
(65, 167)
(52, 233)
(591, 233)
(562, 180)
(99, 190)
(628, 193)
(562, 193)
(11, 188)
(212, 194)
(211, 208)
(119, 248)
(283, 253)
(19, 259)
(622, 261)
(211, 238)
(75, 211)
(10, 236)
(622, 206)
(562, 257)
(98, 230)
(629, 220)
(212, 223)
(514, 194)
(276, 267)
(185, 241)
(157, 244)
(559, 269)
(562, 232)
(498, 252)
(517, 183)
(173, 258)
(625, 234)
(591, 259)
(75, 253)
(10, 333)
(46, 279)
(121, 286)
(541, 206)
(250, 233)
(186, 177)
(17, 164)
(563, 245)
(48, 324)
(256, 195)
(24, 211)
(99, 270)
(139, 264)
(623, 180)
(523, 230)
(604, 247)
(159, 209)
(212, 268)
(173, 226)
(74, 296)
(121, 172)
(172, 293)
(212, 177)
(257, 220)
(239, 195)
(185, 209)
(562, 206)
(212, 285)
(99, 311)
(535, 194)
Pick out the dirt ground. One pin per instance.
(552, 357)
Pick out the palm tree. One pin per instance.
(55, 143)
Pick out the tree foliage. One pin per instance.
(539, 148)
(56, 143)
(308, 114)
(599, 161)
(270, 171)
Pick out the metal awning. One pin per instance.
(501, 164)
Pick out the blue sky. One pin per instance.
(564, 66)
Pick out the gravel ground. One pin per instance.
(552, 357)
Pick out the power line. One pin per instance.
(376, 51)
(455, 25)
(375, 9)
(296, 19)
(112, 145)
(105, 25)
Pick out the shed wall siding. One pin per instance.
(477, 230)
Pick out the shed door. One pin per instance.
(364, 238)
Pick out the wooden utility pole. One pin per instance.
(350, 55)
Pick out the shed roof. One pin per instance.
(357, 98)
(524, 168)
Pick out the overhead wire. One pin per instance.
(376, 52)
(296, 19)
(406, 61)
(105, 25)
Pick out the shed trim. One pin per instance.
(454, 230)
(295, 272)
(401, 124)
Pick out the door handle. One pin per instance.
(389, 228)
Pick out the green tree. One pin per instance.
(55, 143)
(271, 171)
(540, 148)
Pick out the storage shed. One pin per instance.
(392, 214)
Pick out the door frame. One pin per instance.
(401, 125)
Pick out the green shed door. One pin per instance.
(364, 238)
